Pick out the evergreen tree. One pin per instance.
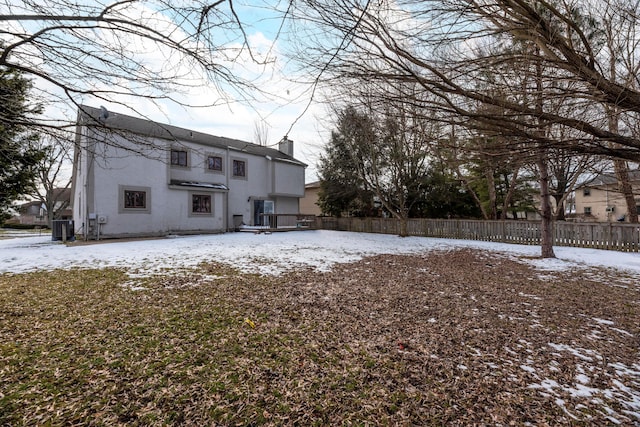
(443, 196)
(18, 156)
(342, 188)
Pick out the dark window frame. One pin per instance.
(179, 158)
(237, 171)
(217, 161)
(201, 204)
(134, 199)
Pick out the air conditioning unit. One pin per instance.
(102, 219)
(63, 229)
(611, 208)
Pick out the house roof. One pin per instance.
(314, 184)
(59, 195)
(94, 117)
(610, 179)
(24, 206)
(62, 194)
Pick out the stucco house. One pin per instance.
(601, 200)
(134, 177)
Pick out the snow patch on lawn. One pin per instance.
(274, 253)
(624, 386)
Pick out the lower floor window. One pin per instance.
(201, 204)
(135, 199)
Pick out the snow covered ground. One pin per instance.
(272, 253)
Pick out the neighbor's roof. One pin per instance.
(610, 179)
(90, 116)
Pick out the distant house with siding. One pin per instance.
(134, 177)
(309, 203)
(601, 200)
(35, 212)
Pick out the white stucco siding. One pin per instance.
(119, 170)
(253, 185)
(165, 210)
(197, 169)
(178, 216)
(288, 179)
(287, 205)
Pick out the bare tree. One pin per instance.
(443, 45)
(53, 174)
(389, 148)
(127, 49)
(261, 133)
(565, 171)
(454, 49)
(621, 42)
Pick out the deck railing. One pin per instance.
(287, 221)
(612, 236)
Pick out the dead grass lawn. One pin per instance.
(455, 338)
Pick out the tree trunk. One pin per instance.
(474, 195)
(624, 184)
(403, 227)
(545, 208)
(559, 198)
(507, 198)
(546, 227)
(491, 186)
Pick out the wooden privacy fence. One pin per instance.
(612, 236)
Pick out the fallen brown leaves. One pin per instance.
(455, 338)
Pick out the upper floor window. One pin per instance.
(586, 192)
(239, 168)
(587, 210)
(214, 163)
(178, 158)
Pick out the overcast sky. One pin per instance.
(283, 106)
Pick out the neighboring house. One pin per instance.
(35, 212)
(30, 213)
(600, 199)
(61, 198)
(134, 177)
(309, 203)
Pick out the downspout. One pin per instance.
(90, 159)
(606, 208)
(225, 219)
(81, 171)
